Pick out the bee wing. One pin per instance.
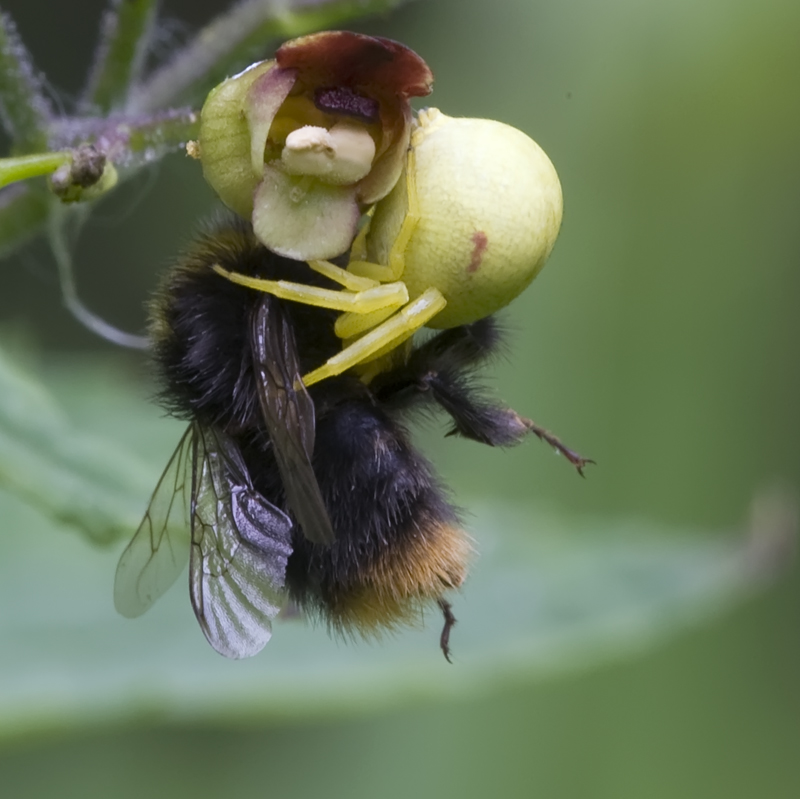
(240, 546)
(289, 416)
(159, 549)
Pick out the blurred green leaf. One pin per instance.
(67, 473)
(23, 212)
(544, 597)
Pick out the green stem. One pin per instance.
(131, 141)
(24, 167)
(125, 35)
(26, 112)
(61, 218)
(233, 38)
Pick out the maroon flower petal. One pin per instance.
(342, 58)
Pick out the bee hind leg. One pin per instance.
(449, 623)
(573, 457)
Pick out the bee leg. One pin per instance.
(474, 416)
(573, 457)
(449, 623)
(439, 371)
(490, 423)
(462, 347)
(455, 351)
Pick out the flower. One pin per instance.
(302, 144)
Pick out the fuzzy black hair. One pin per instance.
(382, 495)
(200, 331)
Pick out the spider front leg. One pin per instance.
(377, 299)
(351, 325)
(371, 295)
(383, 338)
(368, 300)
(397, 254)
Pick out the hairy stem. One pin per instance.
(25, 111)
(125, 35)
(131, 141)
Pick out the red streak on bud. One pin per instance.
(481, 242)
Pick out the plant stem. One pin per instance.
(125, 35)
(23, 167)
(131, 141)
(62, 252)
(26, 112)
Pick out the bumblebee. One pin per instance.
(280, 494)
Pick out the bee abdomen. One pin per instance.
(399, 545)
(395, 587)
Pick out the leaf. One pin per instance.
(71, 475)
(544, 597)
(23, 212)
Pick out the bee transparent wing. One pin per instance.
(289, 417)
(240, 546)
(159, 549)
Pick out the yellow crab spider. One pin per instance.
(466, 228)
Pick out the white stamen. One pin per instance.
(341, 156)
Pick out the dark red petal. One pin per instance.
(340, 58)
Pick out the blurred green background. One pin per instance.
(662, 340)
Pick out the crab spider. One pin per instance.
(467, 227)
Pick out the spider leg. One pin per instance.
(383, 338)
(397, 254)
(376, 297)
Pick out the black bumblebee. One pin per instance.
(277, 492)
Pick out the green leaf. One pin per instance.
(71, 475)
(23, 213)
(546, 595)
